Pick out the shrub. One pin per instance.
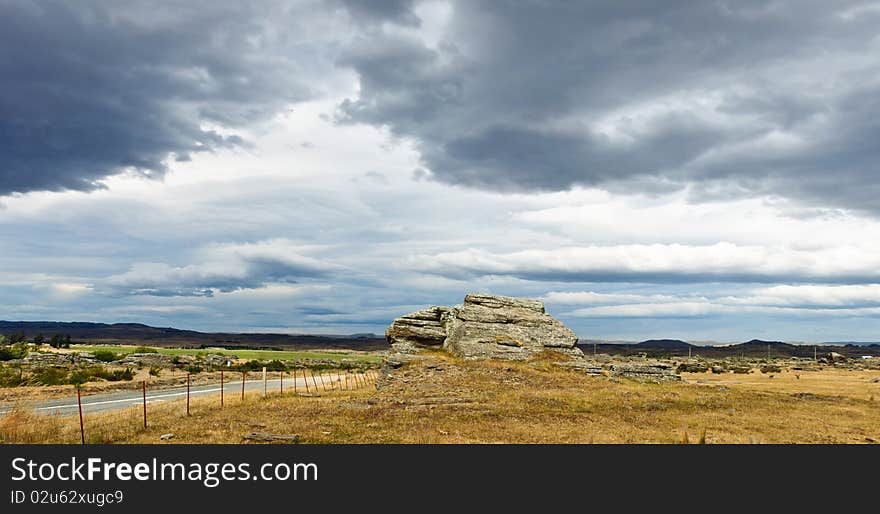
(49, 376)
(10, 377)
(118, 374)
(106, 356)
(193, 369)
(5, 354)
(17, 351)
(111, 376)
(257, 365)
(145, 349)
(155, 371)
(79, 377)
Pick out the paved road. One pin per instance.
(119, 400)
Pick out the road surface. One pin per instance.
(105, 402)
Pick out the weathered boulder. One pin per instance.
(58, 360)
(835, 357)
(645, 372)
(484, 326)
(424, 328)
(215, 359)
(693, 367)
(590, 368)
(148, 359)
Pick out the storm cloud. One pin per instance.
(722, 99)
(92, 89)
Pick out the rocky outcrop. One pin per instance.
(484, 326)
(218, 360)
(58, 360)
(424, 328)
(590, 368)
(645, 372)
(770, 368)
(148, 359)
(693, 367)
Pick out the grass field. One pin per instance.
(448, 400)
(242, 354)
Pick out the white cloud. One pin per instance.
(722, 261)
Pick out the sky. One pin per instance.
(702, 170)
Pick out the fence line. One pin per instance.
(100, 424)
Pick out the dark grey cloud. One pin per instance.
(93, 88)
(726, 98)
(231, 268)
(378, 11)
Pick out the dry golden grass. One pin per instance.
(830, 381)
(445, 400)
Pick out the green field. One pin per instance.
(241, 354)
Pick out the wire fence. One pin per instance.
(103, 418)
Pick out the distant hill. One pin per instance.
(754, 348)
(136, 333)
(666, 343)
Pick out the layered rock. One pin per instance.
(148, 359)
(484, 326)
(58, 360)
(420, 329)
(645, 372)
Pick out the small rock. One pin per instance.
(693, 367)
(274, 438)
(165, 437)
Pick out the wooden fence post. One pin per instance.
(82, 431)
(144, 383)
(294, 382)
(264, 382)
(221, 388)
(314, 383)
(242, 384)
(187, 394)
(282, 383)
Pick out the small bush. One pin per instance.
(118, 374)
(193, 369)
(18, 350)
(111, 376)
(257, 365)
(10, 377)
(145, 349)
(49, 376)
(155, 371)
(79, 377)
(106, 356)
